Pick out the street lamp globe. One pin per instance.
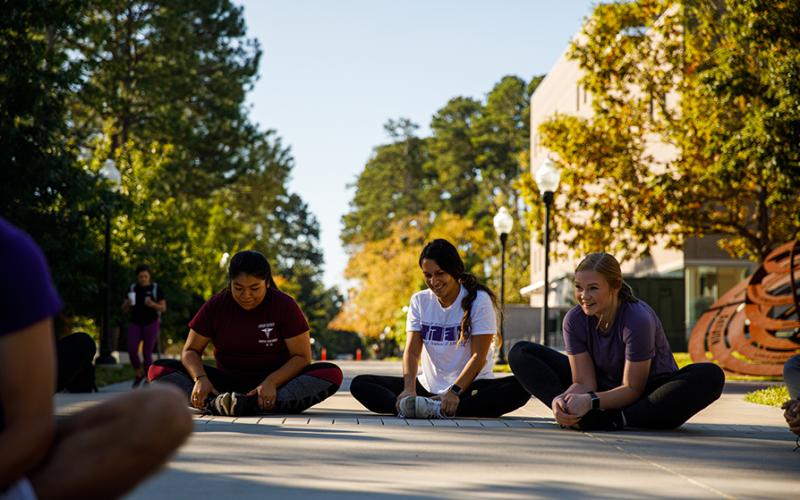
(503, 222)
(547, 176)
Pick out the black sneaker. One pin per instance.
(137, 382)
(231, 404)
(602, 420)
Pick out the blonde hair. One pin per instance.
(607, 266)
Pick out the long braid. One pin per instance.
(471, 283)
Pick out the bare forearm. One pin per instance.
(577, 388)
(288, 371)
(24, 448)
(410, 365)
(470, 371)
(193, 363)
(618, 397)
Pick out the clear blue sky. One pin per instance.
(333, 72)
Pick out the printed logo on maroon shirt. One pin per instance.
(250, 340)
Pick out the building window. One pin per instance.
(706, 284)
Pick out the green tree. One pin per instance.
(159, 88)
(413, 189)
(714, 82)
(42, 188)
(392, 186)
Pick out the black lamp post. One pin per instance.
(547, 177)
(110, 173)
(503, 223)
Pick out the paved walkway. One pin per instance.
(733, 449)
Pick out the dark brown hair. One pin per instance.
(446, 257)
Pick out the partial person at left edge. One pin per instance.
(87, 454)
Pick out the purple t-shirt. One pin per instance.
(636, 335)
(252, 340)
(29, 295)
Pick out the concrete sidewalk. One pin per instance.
(733, 449)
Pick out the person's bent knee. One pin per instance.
(792, 367)
(357, 384)
(162, 419)
(713, 376)
(518, 353)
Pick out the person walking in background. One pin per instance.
(101, 452)
(452, 326)
(262, 348)
(146, 303)
(619, 369)
(791, 375)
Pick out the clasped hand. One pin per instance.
(569, 408)
(792, 415)
(449, 403)
(267, 394)
(202, 388)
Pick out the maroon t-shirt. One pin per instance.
(250, 340)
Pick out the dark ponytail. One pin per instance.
(446, 257)
(251, 263)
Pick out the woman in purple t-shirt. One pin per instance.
(619, 369)
(261, 345)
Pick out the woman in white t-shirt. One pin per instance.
(451, 326)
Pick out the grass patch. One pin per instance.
(106, 375)
(682, 358)
(771, 396)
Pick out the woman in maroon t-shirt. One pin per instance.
(619, 369)
(261, 345)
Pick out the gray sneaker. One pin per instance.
(232, 404)
(420, 407)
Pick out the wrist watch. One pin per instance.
(595, 400)
(455, 389)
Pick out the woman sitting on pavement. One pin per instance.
(261, 345)
(619, 370)
(452, 325)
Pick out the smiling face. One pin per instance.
(442, 284)
(248, 291)
(594, 294)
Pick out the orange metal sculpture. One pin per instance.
(755, 327)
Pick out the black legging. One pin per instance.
(316, 382)
(669, 400)
(487, 398)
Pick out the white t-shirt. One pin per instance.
(440, 327)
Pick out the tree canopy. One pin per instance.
(450, 184)
(714, 85)
(158, 87)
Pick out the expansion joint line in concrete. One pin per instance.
(662, 467)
